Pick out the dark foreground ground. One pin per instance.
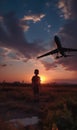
(56, 109)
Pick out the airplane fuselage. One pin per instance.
(59, 50)
(58, 43)
(59, 46)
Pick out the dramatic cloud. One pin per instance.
(49, 65)
(68, 8)
(68, 35)
(35, 18)
(24, 26)
(12, 38)
(65, 7)
(69, 38)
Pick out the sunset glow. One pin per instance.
(43, 79)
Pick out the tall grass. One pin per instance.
(57, 107)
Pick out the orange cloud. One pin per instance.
(34, 17)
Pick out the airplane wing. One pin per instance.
(49, 53)
(69, 49)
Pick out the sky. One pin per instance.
(27, 30)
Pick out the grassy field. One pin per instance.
(57, 107)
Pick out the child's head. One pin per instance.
(36, 71)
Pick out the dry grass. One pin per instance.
(57, 104)
(9, 126)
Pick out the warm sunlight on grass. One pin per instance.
(43, 79)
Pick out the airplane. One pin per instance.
(61, 51)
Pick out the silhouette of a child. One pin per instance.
(36, 84)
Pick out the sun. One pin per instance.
(43, 79)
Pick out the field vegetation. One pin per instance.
(56, 109)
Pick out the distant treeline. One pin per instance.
(23, 84)
(20, 84)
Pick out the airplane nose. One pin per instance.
(55, 37)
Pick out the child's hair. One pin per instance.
(36, 71)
